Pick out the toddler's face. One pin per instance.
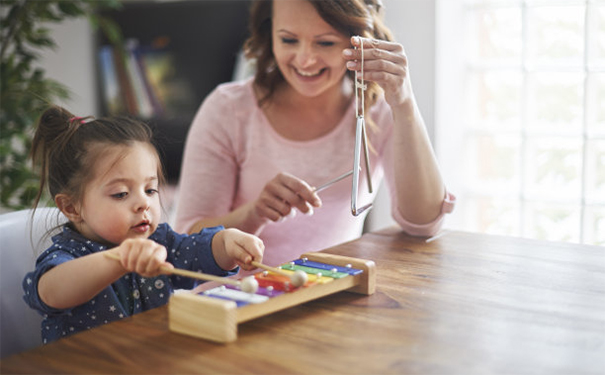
(122, 200)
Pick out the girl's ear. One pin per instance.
(67, 207)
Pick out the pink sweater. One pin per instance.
(232, 152)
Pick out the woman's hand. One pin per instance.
(143, 256)
(282, 194)
(418, 183)
(384, 63)
(277, 201)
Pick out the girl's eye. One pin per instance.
(119, 195)
(151, 191)
(288, 40)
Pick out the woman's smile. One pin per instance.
(309, 74)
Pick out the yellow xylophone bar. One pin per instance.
(216, 319)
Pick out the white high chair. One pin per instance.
(19, 324)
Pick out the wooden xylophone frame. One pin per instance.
(216, 319)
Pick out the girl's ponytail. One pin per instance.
(53, 131)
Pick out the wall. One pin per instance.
(413, 25)
(448, 108)
(412, 22)
(73, 64)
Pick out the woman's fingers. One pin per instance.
(284, 193)
(385, 63)
(369, 43)
(296, 192)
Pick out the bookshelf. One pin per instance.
(193, 45)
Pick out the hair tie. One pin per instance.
(77, 118)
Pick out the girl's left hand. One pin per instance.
(384, 63)
(242, 248)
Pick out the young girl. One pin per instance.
(104, 177)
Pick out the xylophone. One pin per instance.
(215, 314)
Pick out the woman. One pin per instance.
(256, 149)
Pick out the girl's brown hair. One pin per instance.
(63, 149)
(350, 17)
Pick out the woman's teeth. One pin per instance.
(308, 74)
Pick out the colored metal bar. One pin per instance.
(314, 271)
(325, 266)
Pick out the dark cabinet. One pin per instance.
(199, 41)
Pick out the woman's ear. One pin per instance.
(67, 207)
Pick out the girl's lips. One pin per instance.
(142, 227)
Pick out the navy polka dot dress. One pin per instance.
(129, 295)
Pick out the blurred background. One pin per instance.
(512, 93)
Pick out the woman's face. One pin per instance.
(308, 51)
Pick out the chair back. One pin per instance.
(20, 325)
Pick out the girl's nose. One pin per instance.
(143, 203)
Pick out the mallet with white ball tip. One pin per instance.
(297, 279)
(247, 284)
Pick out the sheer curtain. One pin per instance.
(520, 114)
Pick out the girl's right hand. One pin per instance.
(284, 193)
(143, 256)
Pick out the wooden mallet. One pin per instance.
(297, 279)
(247, 284)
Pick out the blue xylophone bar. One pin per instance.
(327, 267)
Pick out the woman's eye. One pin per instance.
(288, 40)
(119, 195)
(151, 191)
(326, 44)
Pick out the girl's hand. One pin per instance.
(282, 194)
(143, 256)
(239, 248)
(384, 63)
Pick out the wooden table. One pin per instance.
(462, 304)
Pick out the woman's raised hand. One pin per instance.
(282, 195)
(384, 63)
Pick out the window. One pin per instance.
(521, 116)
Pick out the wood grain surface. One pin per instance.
(465, 303)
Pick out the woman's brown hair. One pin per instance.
(350, 17)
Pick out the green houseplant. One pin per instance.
(24, 89)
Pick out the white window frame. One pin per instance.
(451, 70)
